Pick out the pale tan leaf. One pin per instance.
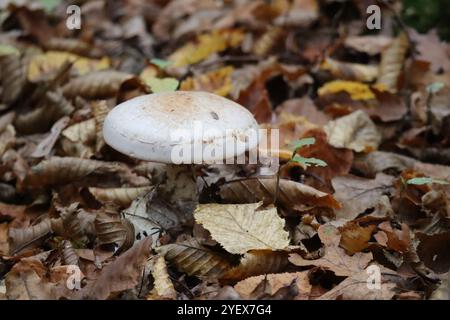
(257, 262)
(292, 195)
(58, 170)
(355, 287)
(355, 131)
(79, 139)
(276, 281)
(196, 260)
(392, 60)
(163, 285)
(120, 196)
(99, 84)
(240, 227)
(350, 71)
(334, 258)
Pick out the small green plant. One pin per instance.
(305, 162)
(425, 180)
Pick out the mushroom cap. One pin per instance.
(154, 127)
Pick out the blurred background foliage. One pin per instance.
(424, 15)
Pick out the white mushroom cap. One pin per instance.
(154, 127)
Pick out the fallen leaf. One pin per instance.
(392, 60)
(163, 285)
(276, 281)
(240, 228)
(359, 194)
(355, 131)
(355, 287)
(205, 45)
(292, 195)
(121, 274)
(334, 258)
(196, 260)
(257, 262)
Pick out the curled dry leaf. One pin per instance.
(257, 262)
(99, 84)
(75, 46)
(13, 77)
(111, 229)
(355, 131)
(195, 259)
(69, 255)
(334, 258)
(24, 237)
(120, 196)
(392, 60)
(359, 194)
(355, 238)
(121, 274)
(44, 148)
(292, 195)
(58, 170)
(163, 286)
(78, 140)
(100, 110)
(240, 228)
(350, 71)
(276, 281)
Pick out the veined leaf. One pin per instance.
(240, 227)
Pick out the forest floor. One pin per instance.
(362, 206)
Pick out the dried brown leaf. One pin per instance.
(257, 262)
(292, 195)
(121, 196)
(195, 259)
(58, 170)
(334, 258)
(276, 281)
(121, 274)
(392, 60)
(99, 84)
(359, 194)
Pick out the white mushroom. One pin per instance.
(181, 128)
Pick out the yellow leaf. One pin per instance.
(217, 81)
(240, 227)
(356, 90)
(150, 77)
(205, 45)
(162, 84)
(42, 65)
